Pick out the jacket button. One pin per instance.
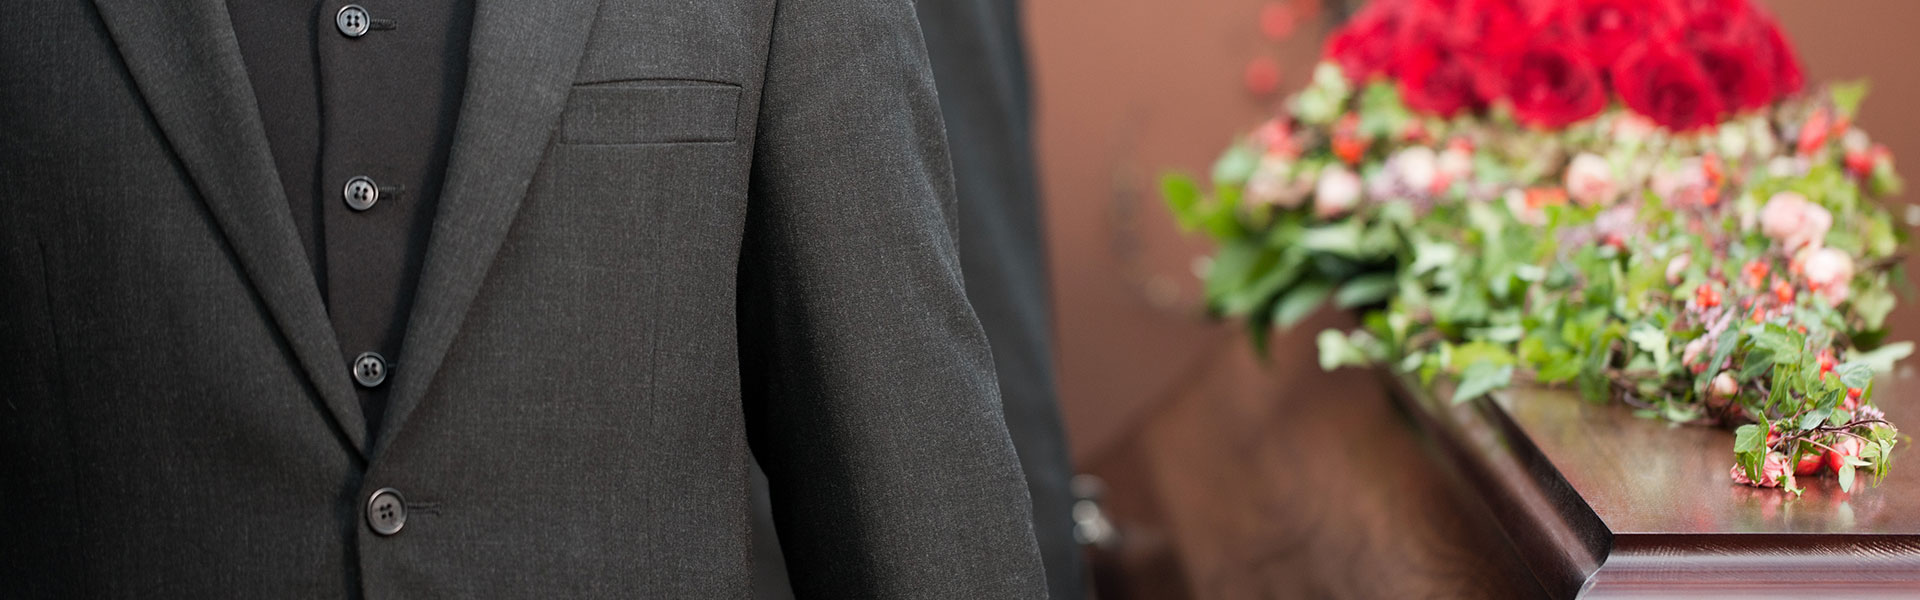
(370, 369)
(386, 511)
(361, 193)
(352, 20)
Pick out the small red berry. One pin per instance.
(1813, 133)
(1782, 291)
(1756, 272)
(1706, 296)
(1826, 361)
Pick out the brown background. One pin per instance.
(1233, 477)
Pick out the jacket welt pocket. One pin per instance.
(650, 112)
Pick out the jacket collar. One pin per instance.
(520, 68)
(186, 62)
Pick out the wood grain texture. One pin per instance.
(1275, 480)
(1601, 503)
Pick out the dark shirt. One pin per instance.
(371, 92)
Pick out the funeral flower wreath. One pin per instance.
(1638, 199)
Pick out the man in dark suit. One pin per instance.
(443, 299)
(979, 66)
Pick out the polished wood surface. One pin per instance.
(1601, 503)
(1646, 476)
(1276, 480)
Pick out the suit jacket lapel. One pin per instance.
(520, 67)
(186, 63)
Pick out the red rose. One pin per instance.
(1779, 58)
(1552, 84)
(1443, 81)
(1657, 78)
(1369, 43)
(1737, 71)
(1608, 27)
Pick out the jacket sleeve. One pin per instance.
(869, 390)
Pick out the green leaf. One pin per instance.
(1341, 239)
(1881, 359)
(1183, 198)
(1480, 378)
(1814, 417)
(1785, 344)
(1337, 351)
(1846, 477)
(1654, 341)
(1300, 302)
(1854, 374)
(1847, 96)
(1236, 165)
(1748, 438)
(1366, 289)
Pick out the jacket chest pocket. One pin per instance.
(651, 111)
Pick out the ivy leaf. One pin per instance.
(1855, 374)
(1785, 344)
(1814, 417)
(1847, 96)
(1654, 341)
(1337, 351)
(1480, 378)
(1748, 438)
(1300, 302)
(1183, 198)
(1235, 165)
(1881, 359)
(1366, 289)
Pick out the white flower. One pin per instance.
(1794, 222)
(1677, 268)
(1829, 272)
(1721, 389)
(1590, 180)
(1337, 193)
(1523, 211)
(1455, 165)
(1272, 183)
(1631, 128)
(1416, 167)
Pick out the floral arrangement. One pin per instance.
(1634, 198)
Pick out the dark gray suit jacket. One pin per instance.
(979, 65)
(668, 229)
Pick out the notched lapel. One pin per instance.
(187, 65)
(520, 66)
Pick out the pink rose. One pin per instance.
(1829, 272)
(1770, 475)
(1692, 353)
(1794, 222)
(1590, 180)
(1337, 193)
(1681, 184)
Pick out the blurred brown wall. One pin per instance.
(1129, 88)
